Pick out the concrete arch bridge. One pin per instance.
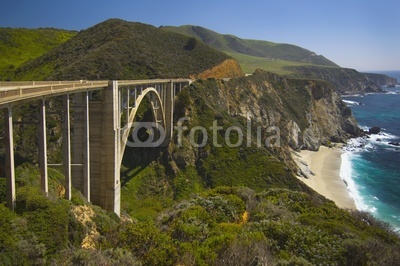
(103, 112)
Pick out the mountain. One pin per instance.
(20, 45)
(382, 79)
(345, 80)
(105, 51)
(231, 44)
(116, 49)
(284, 59)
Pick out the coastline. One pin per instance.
(320, 170)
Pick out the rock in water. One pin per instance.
(394, 143)
(374, 130)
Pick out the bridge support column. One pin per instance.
(81, 145)
(105, 149)
(10, 173)
(169, 111)
(43, 147)
(66, 146)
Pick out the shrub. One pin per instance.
(7, 236)
(193, 224)
(246, 249)
(147, 243)
(223, 208)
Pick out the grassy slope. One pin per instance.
(283, 59)
(250, 63)
(20, 45)
(253, 54)
(116, 49)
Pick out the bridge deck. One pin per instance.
(21, 90)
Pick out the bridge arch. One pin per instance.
(157, 107)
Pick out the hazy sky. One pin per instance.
(364, 35)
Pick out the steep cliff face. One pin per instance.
(241, 132)
(346, 81)
(306, 113)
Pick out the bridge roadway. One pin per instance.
(103, 113)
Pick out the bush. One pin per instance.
(147, 243)
(31, 199)
(7, 235)
(246, 249)
(115, 256)
(223, 208)
(3, 195)
(193, 224)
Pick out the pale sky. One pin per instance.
(364, 35)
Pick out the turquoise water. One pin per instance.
(371, 167)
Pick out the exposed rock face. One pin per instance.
(294, 134)
(346, 81)
(306, 113)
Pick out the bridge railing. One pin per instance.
(20, 90)
(36, 83)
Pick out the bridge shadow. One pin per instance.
(124, 175)
(139, 158)
(135, 160)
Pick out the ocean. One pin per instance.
(371, 166)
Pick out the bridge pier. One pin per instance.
(81, 145)
(104, 148)
(169, 110)
(10, 172)
(66, 147)
(43, 147)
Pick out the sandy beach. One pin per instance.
(323, 171)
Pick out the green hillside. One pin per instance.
(20, 45)
(116, 49)
(187, 205)
(249, 63)
(284, 59)
(254, 54)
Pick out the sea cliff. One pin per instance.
(346, 81)
(382, 80)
